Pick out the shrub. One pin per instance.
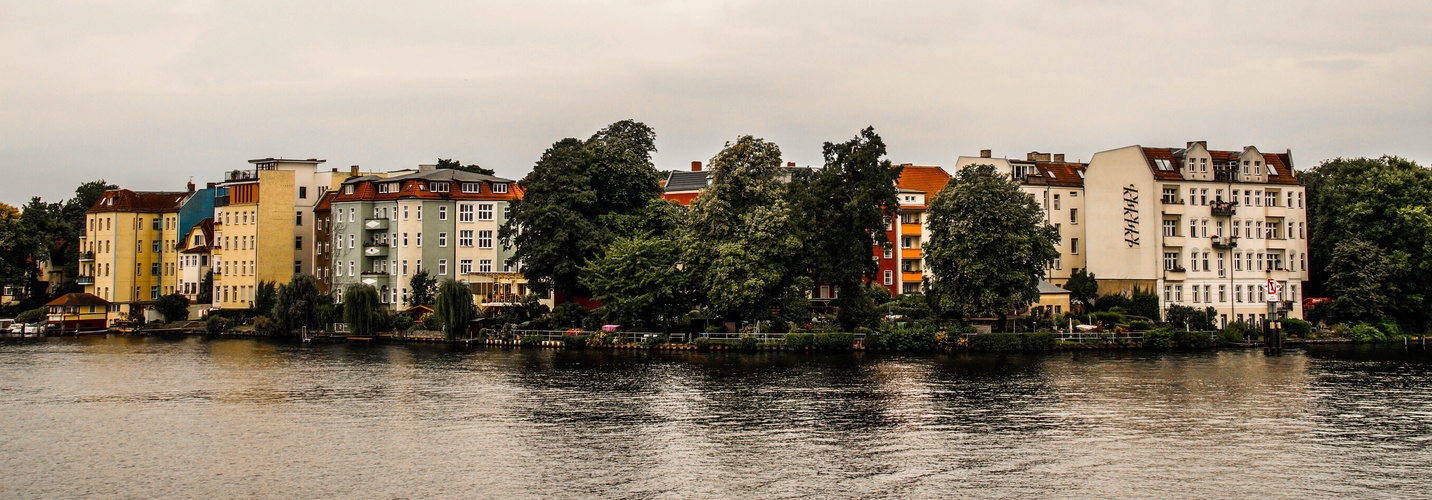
(1233, 333)
(654, 340)
(715, 329)
(1389, 329)
(1041, 341)
(1297, 328)
(575, 341)
(995, 342)
(33, 315)
(908, 339)
(799, 340)
(779, 326)
(1107, 318)
(1362, 332)
(402, 322)
(835, 341)
(701, 343)
(264, 325)
(531, 340)
(876, 340)
(1140, 326)
(1192, 340)
(1158, 339)
(861, 329)
(216, 323)
(600, 339)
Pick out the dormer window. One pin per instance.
(1163, 164)
(439, 187)
(499, 187)
(471, 187)
(348, 189)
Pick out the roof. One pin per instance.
(78, 299)
(205, 227)
(441, 174)
(124, 200)
(921, 178)
(415, 185)
(325, 203)
(1281, 163)
(1063, 174)
(1047, 288)
(686, 181)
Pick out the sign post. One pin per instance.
(1272, 337)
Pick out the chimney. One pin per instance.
(353, 171)
(790, 164)
(209, 185)
(1059, 157)
(427, 168)
(191, 186)
(335, 170)
(986, 153)
(1037, 156)
(695, 166)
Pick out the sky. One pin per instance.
(148, 94)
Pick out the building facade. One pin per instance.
(387, 228)
(1058, 186)
(128, 255)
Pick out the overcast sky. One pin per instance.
(148, 93)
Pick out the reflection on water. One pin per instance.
(196, 417)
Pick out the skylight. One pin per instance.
(1271, 170)
(1163, 164)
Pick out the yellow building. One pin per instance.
(263, 226)
(128, 255)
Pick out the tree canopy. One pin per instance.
(297, 304)
(457, 165)
(989, 244)
(581, 196)
(454, 308)
(1370, 226)
(638, 281)
(1083, 288)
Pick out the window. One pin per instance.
(156, 224)
(1178, 293)
(484, 239)
(1170, 195)
(1204, 233)
(484, 211)
(507, 266)
(507, 210)
(464, 266)
(1168, 293)
(1238, 293)
(484, 266)
(298, 243)
(1170, 261)
(303, 192)
(440, 187)
(348, 189)
(442, 213)
(889, 277)
(297, 267)
(889, 253)
(405, 212)
(471, 187)
(352, 270)
(464, 213)
(1222, 293)
(1203, 197)
(1205, 261)
(1192, 228)
(154, 269)
(1073, 216)
(154, 246)
(404, 269)
(442, 239)
(905, 242)
(420, 239)
(498, 187)
(442, 267)
(464, 238)
(1056, 202)
(1193, 261)
(1170, 227)
(1074, 246)
(351, 244)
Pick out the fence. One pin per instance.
(643, 336)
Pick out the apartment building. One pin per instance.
(1058, 186)
(323, 241)
(196, 249)
(128, 255)
(386, 228)
(263, 225)
(1203, 228)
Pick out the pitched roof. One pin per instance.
(931, 180)
(685, 180)
(1281, 163)
(1046, 288)
(124, 200)
(78, 299)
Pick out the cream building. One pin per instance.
(1202, 228)
(1058, 187)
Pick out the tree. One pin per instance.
(638, 281)
(360, 308)
(297, 304)
(1192, 319)
(457, 165)
(1083, 288)
(454, 308)
(422, 285)
(569, 315)
(989, 244)
(174, 307)
(1144, 303)
(1376, 212)
(850, 203)
(206, 288)
(579, 197)
(265, 297)
(741, 244)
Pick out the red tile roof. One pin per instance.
(1064, 174)
(931, 180)
(124, 200)
(78, 299)
(1281, 163)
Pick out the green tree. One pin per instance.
(579, 197)
(569, 315)
(422, 285)
(989, 245)
(1376, 212)
(850, 203)
(1083, 288)
(638, 281)
(265, 297)
(361, 308)
(72, 216)
(741, 244)
(174, 307)
(297, 304)
(454, 308)
(457, 165)
(1191, 318)
(1144, 303)
(206, 288)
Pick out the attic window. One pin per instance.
(348, 189)
(1052, 176)
(1081, 173)
(440, 187)
(1271, 170)
(498, 187)
(1163, 164)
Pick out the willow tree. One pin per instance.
(454, 308)
(989, 245)
(360, 306)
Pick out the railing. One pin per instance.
(1225, 241)
(87, 257)
(1100, 337)
(1224, 208)
(1176, 269)
(84, 280)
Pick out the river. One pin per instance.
(192, 417)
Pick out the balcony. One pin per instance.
(87, 257)
(375, 250)
(220, 201)
(375, 224)
(375, 279)
(1173, 241)
(1223, 208)
(84, 280)
(1225, 241)
(1175, 269)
